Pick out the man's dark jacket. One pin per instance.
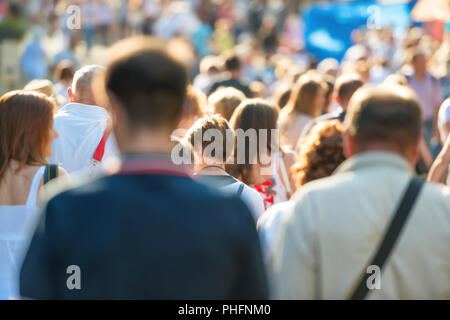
(145, 236)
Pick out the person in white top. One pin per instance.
(306, 103)
(210, 166)
(331, 232)
(444, 120)
(26, 122)
(82, 127)
(322, 152)
(440, 170)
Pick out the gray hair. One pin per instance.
(82, 82)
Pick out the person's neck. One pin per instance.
(235, 75)
(85, 102)
(147, 142)
(213, 169)
(420, 74)
(385, 147)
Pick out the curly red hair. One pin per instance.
(321, 152)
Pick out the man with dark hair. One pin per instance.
(147, 231)
(372, 228)
(233, 68)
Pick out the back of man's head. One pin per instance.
(346, 85)
(232, 62)
(385, 117)
(82, 84)
(148, 81)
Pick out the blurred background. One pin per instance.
(275, 39)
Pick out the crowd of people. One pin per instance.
(211, 157)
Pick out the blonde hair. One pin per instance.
(303, 95)
(43, 86)
(225, 100)
(194, 102)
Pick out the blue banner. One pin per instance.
(328, 25)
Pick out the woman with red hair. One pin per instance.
(26, 135)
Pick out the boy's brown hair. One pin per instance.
(225, 100)
(203, 125)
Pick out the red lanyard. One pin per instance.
(100, 151)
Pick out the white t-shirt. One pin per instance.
(17, 223)
(443, 118)
(80, 128)
(231, 185)
(292, 127)
(269, 226)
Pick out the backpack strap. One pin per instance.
(391, 235)
(241, 188)
(50, 173)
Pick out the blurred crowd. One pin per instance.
(352, 135)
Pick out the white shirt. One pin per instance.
(327, 238)
(293, 127)
(80, 128)
(16, 226)
(443, 118)
(269, 224)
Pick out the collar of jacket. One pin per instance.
(85, 108)
(151, 164)
(372, 159)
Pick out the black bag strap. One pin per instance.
(391, 235)
(51, 172)
(241, 188)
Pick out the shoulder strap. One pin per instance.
(241, 188)
(34, 188)
(50, 173)
(391, 235)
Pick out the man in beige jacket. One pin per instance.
(330, 233)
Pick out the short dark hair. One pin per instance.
(65, 70)
(282, 97)
(148, 80)
(346, 85)
(232, 62)
(383, 113)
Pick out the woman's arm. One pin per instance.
(425, 153)
(439, 169)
